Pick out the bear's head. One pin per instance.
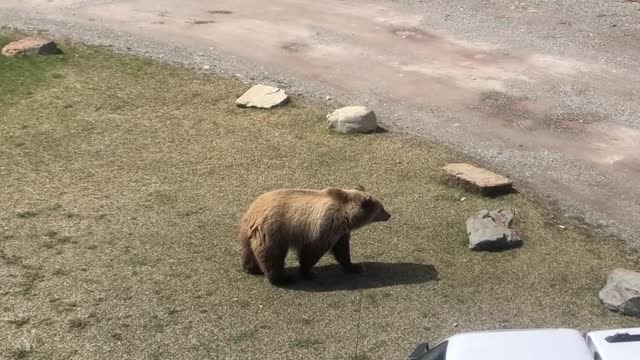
(360, 207)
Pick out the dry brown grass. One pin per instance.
(122, 183)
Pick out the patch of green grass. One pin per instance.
(11, 259)
(54, 207)
(242, 303)
(138, 261)
(21, 349)
(60, 272)
(361, 357)
(64, 306)
(244, 336)
(29, 282)
(20, 76)
(48, 244)
(372, 299)
(78, 322)
(25, 214)
(304, 343)
(19, 320)
(306, 320)
(155, 324)
(65, 239)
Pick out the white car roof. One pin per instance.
(529, 344)
(616, 350)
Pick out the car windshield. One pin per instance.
(437, 353)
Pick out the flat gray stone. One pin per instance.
(476, 180)
(353, 119)
(622, 292)
(262, 97)
(490, 231)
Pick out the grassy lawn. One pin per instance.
(122, 184)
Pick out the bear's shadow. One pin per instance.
(375, 275)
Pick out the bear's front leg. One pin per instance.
(308, 256)
(342, 253)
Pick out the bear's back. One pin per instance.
(299, 215)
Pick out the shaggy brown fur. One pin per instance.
(311, 222)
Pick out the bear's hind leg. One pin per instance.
(249, 262)
(271, 258)
(342, 253)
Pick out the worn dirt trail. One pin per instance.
(555, 108)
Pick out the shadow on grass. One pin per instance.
(375, 275)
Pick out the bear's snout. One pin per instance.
(383, 216)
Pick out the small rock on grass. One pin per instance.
(31, 46)
(490, 231)
(622, 292)
(262, 97)
(477, 180)
(353, 119)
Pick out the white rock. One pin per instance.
(262, 97)
(490, 231)
(622, 292)
(353, 119)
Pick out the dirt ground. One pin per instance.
(122, 184)
(544, 91)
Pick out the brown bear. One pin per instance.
(309, 221)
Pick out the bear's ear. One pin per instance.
(360, 188)
(337, 194)
(367, 203)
